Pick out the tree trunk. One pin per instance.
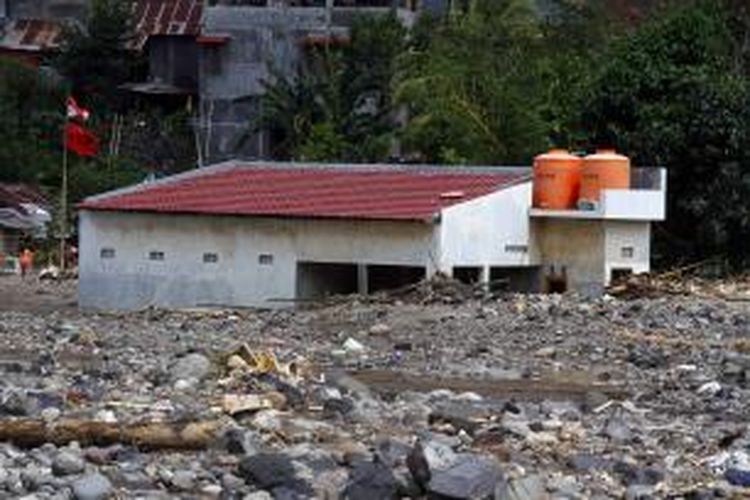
(148, 435)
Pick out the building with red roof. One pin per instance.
(276, 234)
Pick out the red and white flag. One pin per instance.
(76, 112)
(80, 140)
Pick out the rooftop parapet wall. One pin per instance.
(646, 200)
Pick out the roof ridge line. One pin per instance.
(400, 167)
(146, 184)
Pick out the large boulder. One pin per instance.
(470, 477)
(371, 481)
(427, 457)
(92, 487)
(270, 471)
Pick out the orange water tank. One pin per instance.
(557, 180)
(603, 170)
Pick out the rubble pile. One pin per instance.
(447, 396)
(674, 283)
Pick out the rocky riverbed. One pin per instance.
(437, 395)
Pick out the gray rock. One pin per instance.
(392, 452)
(333, 408)
(134, 480)
(193, 367)
(67, 463)
(183, 480)
(470, 477)
(371, 481)
(631, 474)
(639, 492)
(648, 357)
(428, 457)
(231, 483)
(92, 487)
(380, 329)
(526, 488)
(617, 429)
(584, 462)
(349, 385)
(239, 441)
(268, 471)
(34, 477)
(258, 495)
(18, 404)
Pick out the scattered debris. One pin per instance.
(490, 396)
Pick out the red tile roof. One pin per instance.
(292, 190)
(166, 17)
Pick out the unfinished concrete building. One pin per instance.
(244, 42)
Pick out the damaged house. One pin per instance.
(272, 235)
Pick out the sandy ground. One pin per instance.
(32, 295)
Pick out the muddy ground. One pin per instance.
(34, 296)
(438, 393)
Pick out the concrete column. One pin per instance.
(363, 286)
(484, 276)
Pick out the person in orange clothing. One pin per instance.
(27, 261)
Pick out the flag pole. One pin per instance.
(64, 194)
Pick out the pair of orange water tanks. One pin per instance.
(563, 181)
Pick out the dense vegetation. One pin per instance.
(492, 82)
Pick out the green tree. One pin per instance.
(672, 94)
(472, 91)
(96, 58)
(341, 97)
(31, 107)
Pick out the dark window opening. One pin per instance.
(627, 252)
(468, 275)
(156, 255)
(381, 278)
(107, 253)
(265, 259)
(516, 249)
(210, 258)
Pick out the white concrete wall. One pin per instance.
(478, 232)
(130, 280)
(628, 204)
(632, 235)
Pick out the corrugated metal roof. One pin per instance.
(166, 17)
(30, 34)
(291, 190)
(17, 194)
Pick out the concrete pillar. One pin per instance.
(484, 276)
(363, 286)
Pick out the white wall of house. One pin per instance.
(490, 231)
(129, 279)
(627, 247)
